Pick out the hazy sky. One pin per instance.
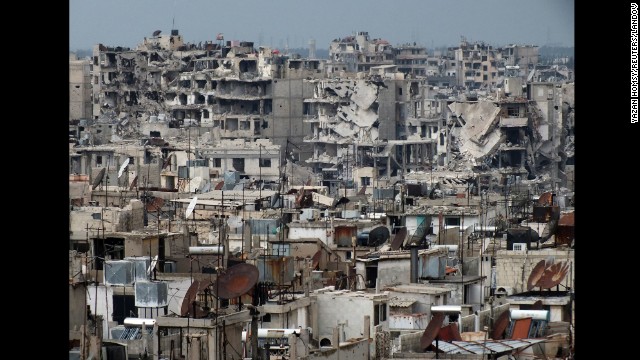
(276, 23)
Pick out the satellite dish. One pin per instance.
(156, 33)
(536, 274)
(134, 183)
(378, 235)
(500, 326)
(98, 178)
(194, 184)
(153, 265)
(191, 206)
(191, 296)
(398, 240)
(553, 275)
(431, 331)
(537, 305)
(236, 281)
(122, 167)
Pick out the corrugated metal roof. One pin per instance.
(484, 347)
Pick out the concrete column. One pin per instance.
(367, 333)
(335, 340)
(304, 336)
(314, 321)
(156, 342)
(293, 343)
(367, 327)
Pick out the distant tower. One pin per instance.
(312, 49)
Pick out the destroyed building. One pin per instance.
(227, 199)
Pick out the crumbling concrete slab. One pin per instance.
(359, 116)
(345, 129)
(479, 118)
(364, 94)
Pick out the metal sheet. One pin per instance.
(431, 330)
(521, 328)
(398, 240)
(315, 259)
(500, 326)
(236, 280)
(449, 333)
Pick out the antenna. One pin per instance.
(173, 19)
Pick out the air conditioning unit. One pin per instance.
(520, 247)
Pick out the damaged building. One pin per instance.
(226, 200)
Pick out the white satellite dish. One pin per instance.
(194, 184)
(124, 166)
(191, 206)
(153, 265)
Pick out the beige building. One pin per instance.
(477, 65)
(79, 88)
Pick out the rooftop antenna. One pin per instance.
(173, 19)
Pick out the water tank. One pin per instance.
(140, 267)
(118, 272)
(151, 294)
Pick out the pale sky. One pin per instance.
(276, 23)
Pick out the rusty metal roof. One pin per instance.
(485, 347)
